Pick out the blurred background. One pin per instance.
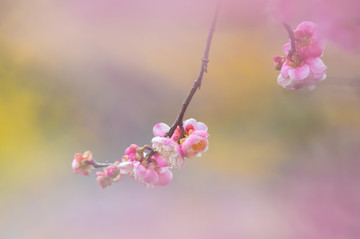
(79, 75)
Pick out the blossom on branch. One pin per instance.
(82, 163)
(302, 67)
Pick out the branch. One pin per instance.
(198, 81)
(292, 39)
(100, 165)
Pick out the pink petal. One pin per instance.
(300, 72)
(316, 65)
(286, 48)
(201, 126)
(161, 129)
(139, 172)
(314, 50)
(285, 83)
(164, 178)
(285, 70)
(126, 167)
(307, 26)
(151, 176)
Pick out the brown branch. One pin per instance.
(198, 81)
(292, 39)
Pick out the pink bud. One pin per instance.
(81, 164)
(131, 151)
(278, 62)
(112, 171)
(103, 180)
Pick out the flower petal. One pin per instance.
(160, 129)
(285, 70)
(299, 73)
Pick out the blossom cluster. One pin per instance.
(302, 67)
(150, 166)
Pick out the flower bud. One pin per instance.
(103, 180)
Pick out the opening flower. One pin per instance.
(170, 150)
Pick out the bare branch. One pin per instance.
(198, 81)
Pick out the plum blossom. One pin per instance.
(103, 180)
(306, 74)
(111, 174)
(307, 41)
(169, 150)
(192, 124)
(304, 68)
(131, 151)
(82, 163)
(195, 144)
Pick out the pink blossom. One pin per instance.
(132, 151)
(195, 144)
(81, 163)
(112, 171)
(304, 74)
(170, 150)
(307, 41)
(103, 180)
(192, 124)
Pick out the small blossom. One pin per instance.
(170, 150)
(192, 124)
(103, 180)
(112, 171)
(195, 144)
(81, 163)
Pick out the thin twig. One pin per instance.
(100, 165)
(198, 81)
(292, 39)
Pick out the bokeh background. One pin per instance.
(79, 75)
